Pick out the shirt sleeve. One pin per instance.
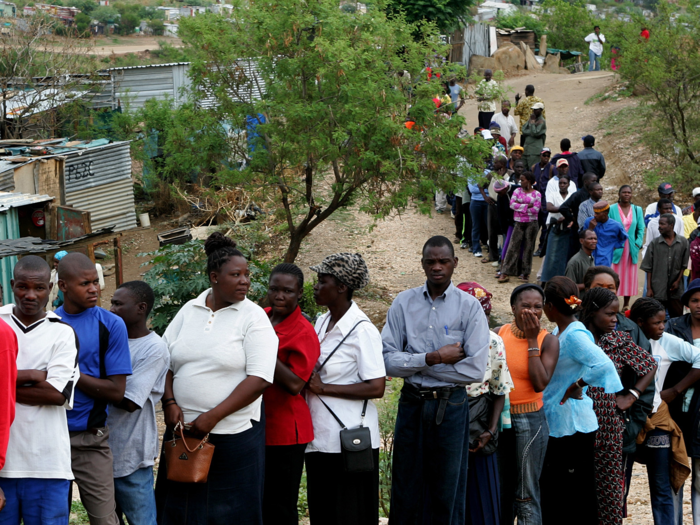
(680, 350)
(513, 128)
(173, 330)
(62, 371)
(8, 387)
(476, 341)
(118, 356)
(500, 382)
(148, 374)
(599, 369)
(638, 359)
(370, 362)
(303, 353)
(260, 345)
(621, 235)
(648, 261)
(397, 361)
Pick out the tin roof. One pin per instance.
(15, 200)
(32, 245)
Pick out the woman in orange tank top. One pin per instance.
(531, 354)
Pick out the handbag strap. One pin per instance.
(364, 407)
(178, 427)
(339, 345)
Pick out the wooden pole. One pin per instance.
(118, 267)
(543, 46)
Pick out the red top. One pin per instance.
(645, 34)
(8, 387)
(287, 417)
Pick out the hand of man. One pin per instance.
(489, 200)
(624, 401)
(511, 141)
(592, 224)
(675, 285)
(451, 354)
(517, 98)
(484, 438)
(3, 501)
(669, 394)
(650, 292)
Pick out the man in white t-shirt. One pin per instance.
(508, 127)
(595, 48)
(132, 423)
(37, 474)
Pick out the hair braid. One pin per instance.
(289, 269)
(595, 300)
(645, 308)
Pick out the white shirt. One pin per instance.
(665, 351)
(553, 196)
(358, 359)
(211, 353)
(39, 444)
(594, 44)
(508, 126)
(677, 213)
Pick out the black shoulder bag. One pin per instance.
(355, 443)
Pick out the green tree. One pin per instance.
(128, 23)
(667, 67)
(568, 23)
(157, 26)
(82, 24)
(448, 15)
(334, 132)
(106, 14)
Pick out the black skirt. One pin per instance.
(339, 498)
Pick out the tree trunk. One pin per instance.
(295, 238)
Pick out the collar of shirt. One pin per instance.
(8, 309)
(346, 322)
(201, 301)
(449, 290)
(290, 324)
(661, 240)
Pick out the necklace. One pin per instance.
(517, 332)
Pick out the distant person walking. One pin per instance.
(595, 48)
(592, 161)
(523, 108)
(486, 95)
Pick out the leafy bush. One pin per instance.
(387, 408)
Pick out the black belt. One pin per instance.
(441, 394)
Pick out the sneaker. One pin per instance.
(439, 211)
(465, 245)
(537, 253)
(478, 254)
(495, 264)
(452, 214)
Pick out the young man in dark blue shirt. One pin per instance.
(104, 361)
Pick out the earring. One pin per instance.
(216, 282)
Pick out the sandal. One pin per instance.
(503, 278)
(525, 278)
(485, 260)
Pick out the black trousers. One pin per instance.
(337, 497)
(494, 228)
(485, 119)
(568, 483)
(283, 468)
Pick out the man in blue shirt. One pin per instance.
(104, 361)
(611, 234)
(437, 338)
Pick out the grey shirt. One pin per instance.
(416, 325)
(577, 266)
(664, 264)
(133, 436)
(585, 211)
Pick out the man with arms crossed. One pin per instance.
(132, 423)
(37, 475)
(437, 339)
(104, 364)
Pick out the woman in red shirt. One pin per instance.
(288, 426)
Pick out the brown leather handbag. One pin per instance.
(187, 460)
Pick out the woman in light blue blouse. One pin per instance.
(568, 476)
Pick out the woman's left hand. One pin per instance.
(624, 401)
(483, 441)
(203, 424)
(573, 392)
(315, 384)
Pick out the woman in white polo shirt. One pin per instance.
(345, 382)
(223, 351)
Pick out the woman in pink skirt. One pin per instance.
(625, 259)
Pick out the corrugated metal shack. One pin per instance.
(133, 86)
(93, 176)
(516, 36)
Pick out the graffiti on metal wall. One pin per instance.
(79, 171)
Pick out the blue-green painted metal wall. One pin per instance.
(9, 229)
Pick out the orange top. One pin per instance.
(523, 398)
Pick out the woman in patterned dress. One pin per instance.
(483, 496)
(599, 314)
(625, 259)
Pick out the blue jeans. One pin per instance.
(666, 506)
(35, 501)
(429, 481)
(531, 437)
(479, 211)
(135, 497)
(594, 60)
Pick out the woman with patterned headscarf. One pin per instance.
(349, 373)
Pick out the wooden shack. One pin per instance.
(515, 36)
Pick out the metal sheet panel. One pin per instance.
(15, 200)
(476, 42)
(9, 229)
(7, 180)
(93, 167)
(109, 204)
(134, 86)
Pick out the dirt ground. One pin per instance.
(392, 248)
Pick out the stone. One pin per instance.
(564, 71)
(531, 62)
(478, 63)
(509, 59)
(551, 63)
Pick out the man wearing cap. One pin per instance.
(572, 160)
(495, 130)
(523, 108)
(664, 263)
(516, 154)
(535, 133)
(611, 234)
(437, 338)
(666, 191)
(591, 160)
(507, 123)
